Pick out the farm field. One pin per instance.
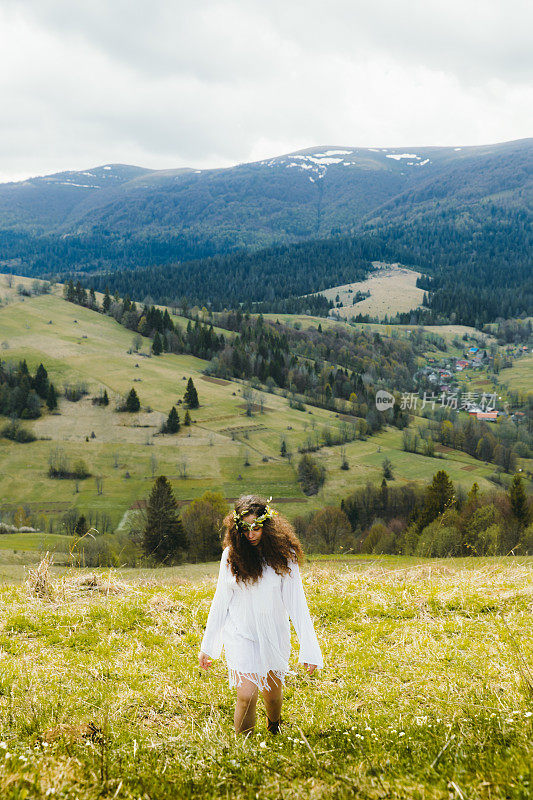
(126, 450)
(425, 692)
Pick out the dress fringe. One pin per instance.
(261, 681)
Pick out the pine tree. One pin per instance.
(92, 299)
(384, 495)
(105, 398)
(440, 495)
(106, 303)
(519, 504)
(51, 398)
(40, 382)
(172, 425)
(70, 292)
(132, 402)
(157, 345)
(187, 418)
(163, 536)
(168, 325)
(191, 395)
(81, 294)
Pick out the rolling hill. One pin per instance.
(224, 449)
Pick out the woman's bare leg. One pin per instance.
(245, 707)
(273, 698)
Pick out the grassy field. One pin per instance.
(520, 376)
(392, 290)
(426, 691)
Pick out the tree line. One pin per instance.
(435, 520)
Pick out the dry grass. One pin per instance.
(426, 692)
(392, 289)
(73, 584)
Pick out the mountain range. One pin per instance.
(459, 215)
(308, 194)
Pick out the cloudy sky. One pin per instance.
(169, 83)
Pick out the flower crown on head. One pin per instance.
(268, 513)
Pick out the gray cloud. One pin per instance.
(169, 83)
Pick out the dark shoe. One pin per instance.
(274, 727)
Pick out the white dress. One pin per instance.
(251, 621)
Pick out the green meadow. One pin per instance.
(426, 690)
(519, 376)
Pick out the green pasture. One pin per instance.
(425, 692)
(520, 376)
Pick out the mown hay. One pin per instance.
(41, 585)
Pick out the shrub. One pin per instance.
(376, 532)
(59, 466)
(526, 541)
(102, 399)
(117, 550)
(311, 475)
(438, 541)
(329, 529)
(202, 522)
(14, 431)
(75, 392)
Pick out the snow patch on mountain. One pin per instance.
(334, 153)
(398, 156)
(81, 185)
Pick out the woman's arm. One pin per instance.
(294, 600)
(212, 639)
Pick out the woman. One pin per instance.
(259, 587)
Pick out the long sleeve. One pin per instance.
(212, 639)
(294, 600)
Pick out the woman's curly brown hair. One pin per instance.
(277, 546)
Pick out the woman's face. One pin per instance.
(254, 534)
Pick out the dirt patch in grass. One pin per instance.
(220, 381)
(469, 467)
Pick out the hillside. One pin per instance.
(225, 449)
